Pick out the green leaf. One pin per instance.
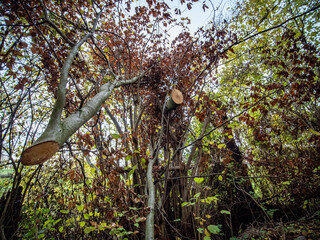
(220, 177)
(23, 20)
(132, 171)
(197, 195)
(89, 229)
(70, 220)
(214, 229)
(55, 222)
(92, 170)
(206, 238)
(82, 224)
(185, 204)
(198, 180)
(224, 212)
(115, 136)
(143, 161)
(314, 132)
(297, 35)
(128, 157)
(80, 208)
(41, 235)
(200, 230)
(60, 228)
(209, 199)
(222, 145)
(86, 216)
(260, 29)
(286, 183)
(64, 211)
(47, 223)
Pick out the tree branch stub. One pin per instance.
(39, 153)
(176, 98)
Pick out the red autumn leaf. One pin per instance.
(27, 68)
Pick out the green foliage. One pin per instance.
(198, 180)
(5, 182)
(214, 229)
(224, 212)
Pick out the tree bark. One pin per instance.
(151, 203)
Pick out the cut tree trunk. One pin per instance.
(55, 135)
(176, 98)
(38, 153)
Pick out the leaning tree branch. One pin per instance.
(55, 135)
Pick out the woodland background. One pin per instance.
(238, 159)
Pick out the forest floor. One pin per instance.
(307, 228)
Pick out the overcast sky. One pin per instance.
(199, 17)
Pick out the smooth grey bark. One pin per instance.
(150, 184)
(61, 94)
(176, 98)
(151, 203)
(53, 128)
(62, 131)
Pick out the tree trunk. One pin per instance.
(10, 209)
(151, 202)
